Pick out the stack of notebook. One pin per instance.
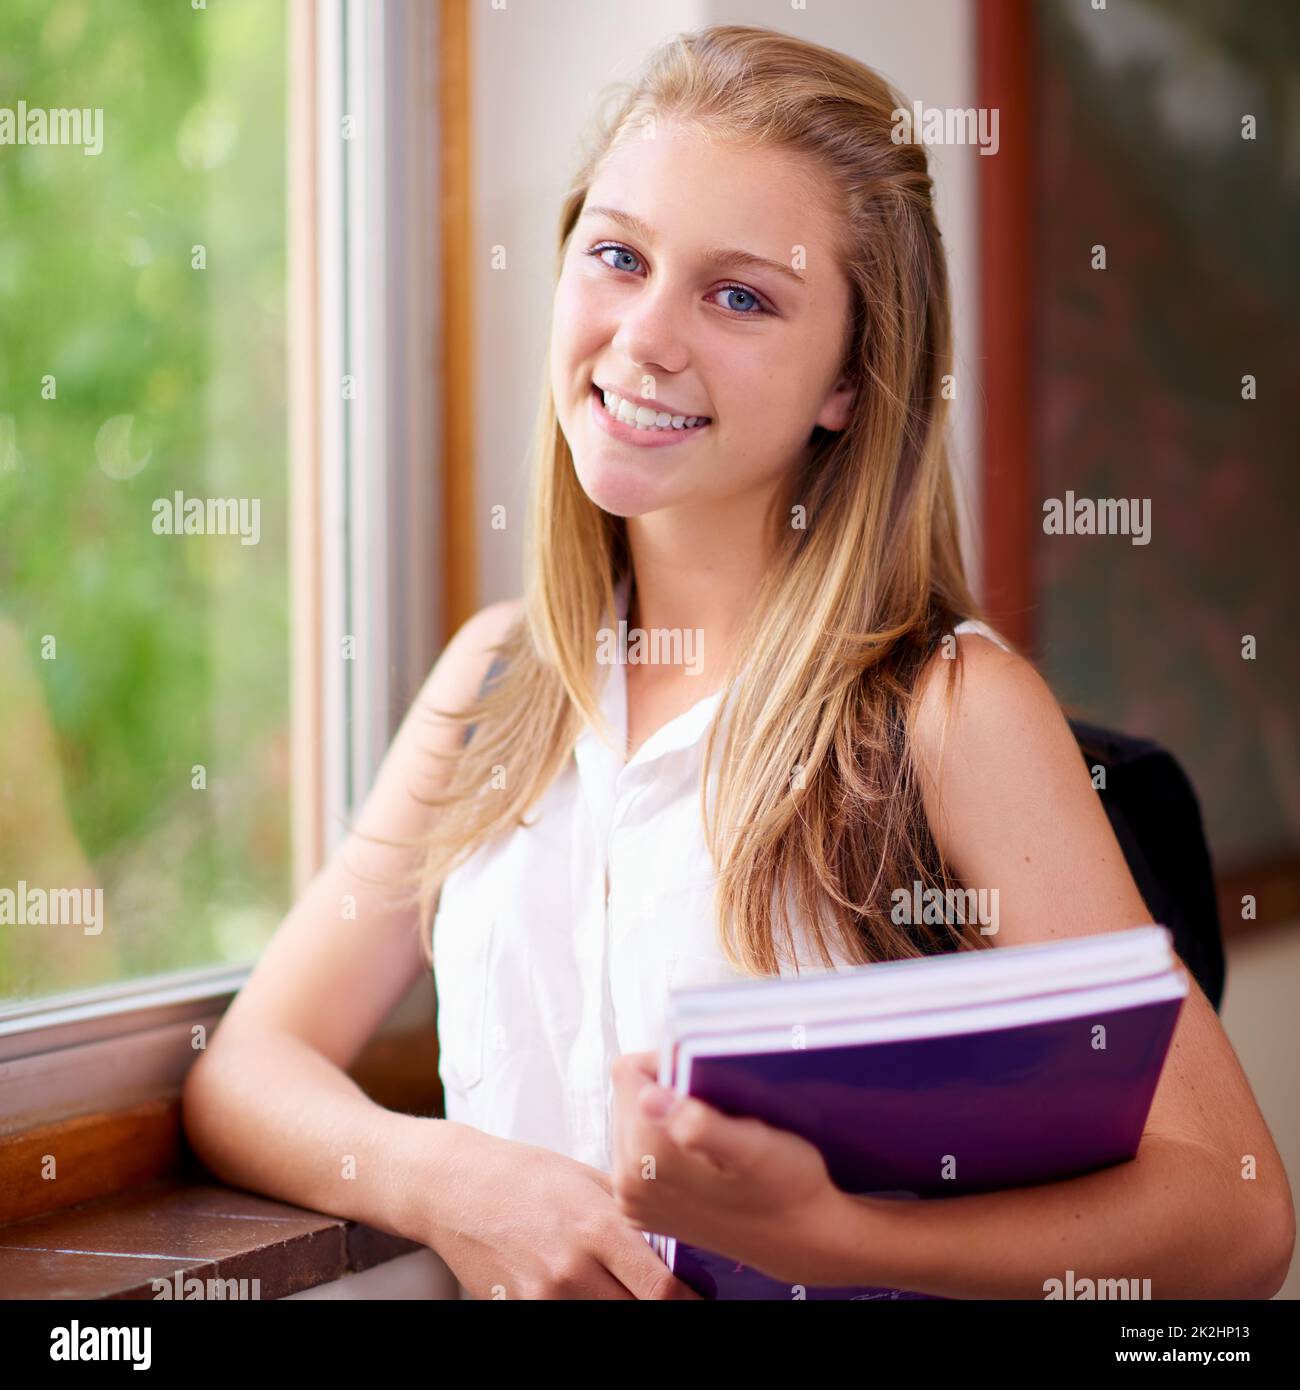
(934, 1077)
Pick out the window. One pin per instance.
(220, 569)
(144, 594)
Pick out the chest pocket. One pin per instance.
(462, 967)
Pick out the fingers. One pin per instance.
(638, 1269)
(635, 1065)
(605, 1285)
(732, 1144)
(682, 1291)
(630, 1260)
(587, 1278)
(636, 1135)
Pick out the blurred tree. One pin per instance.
(133, 365)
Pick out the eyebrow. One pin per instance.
(719, 256)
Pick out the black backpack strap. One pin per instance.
(493, 671)
(1156, 818)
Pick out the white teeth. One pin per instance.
(643, 418)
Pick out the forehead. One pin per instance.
(696, 191)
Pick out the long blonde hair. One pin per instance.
(818, 809)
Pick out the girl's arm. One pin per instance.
(1177, 1216)
(269, 1105)
(1204, 1209)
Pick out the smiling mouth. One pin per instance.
(643, 418)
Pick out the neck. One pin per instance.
(697, 573)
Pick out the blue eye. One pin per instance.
(756, 305)
(619, 250)
(740, 289)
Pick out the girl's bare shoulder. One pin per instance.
(458, 674)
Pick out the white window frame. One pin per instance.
(373, 571)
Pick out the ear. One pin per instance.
(838, 406)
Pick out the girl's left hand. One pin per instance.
(739, 1187)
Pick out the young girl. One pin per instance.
(741, 457)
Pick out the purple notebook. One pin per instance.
(934, 1077)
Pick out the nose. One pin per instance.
(650, 332)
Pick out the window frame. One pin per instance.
(363, 290)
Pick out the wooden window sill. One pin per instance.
(115, 1247)
(132, 1204)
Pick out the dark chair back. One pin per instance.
(1157, 821)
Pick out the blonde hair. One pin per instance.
(817, 807)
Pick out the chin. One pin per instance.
(621, 490)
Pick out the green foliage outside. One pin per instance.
(126, 375)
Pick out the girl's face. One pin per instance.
(699, 277)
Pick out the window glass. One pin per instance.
(144, 614)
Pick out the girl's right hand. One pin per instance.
(522, 1221)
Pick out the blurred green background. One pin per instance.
(169, 651)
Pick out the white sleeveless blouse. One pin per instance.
(542, 979)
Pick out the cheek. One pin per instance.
(766, 407)
(571, 341)
(574, 314)
(561, 316)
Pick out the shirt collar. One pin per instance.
(679, 733)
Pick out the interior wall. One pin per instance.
(538, 68)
